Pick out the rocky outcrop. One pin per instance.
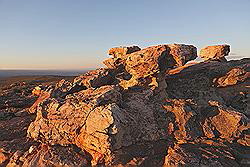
(148, 108)
(217, 52)
(15, 100)
(116, 108)
(207, 153)
(148, 66)
(182, 53)
(234, 76)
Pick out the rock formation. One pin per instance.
(147, 108)
(217, 52)
(15, 99)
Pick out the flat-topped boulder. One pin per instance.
(216, 52)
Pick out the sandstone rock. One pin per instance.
(43, 95)
(144, 64)
(45, 155)
(217, 52)
(148, 61)
(36, 91)
(232, 77)
(198, 82)
(185, 125)
(197, 155)
(135, 111)
(3, 157)
(94, 120)
(182, 53)
(73, 115)
(190, 122)
(119, 56)
(225, 122)
(119, 52)
(96, 78)
(15, 99)
(114, 63)
(13, 133)
(148, 66)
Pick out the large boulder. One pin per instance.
(148, 65)
(217, 52)
(100, 121)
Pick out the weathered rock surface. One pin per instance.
(200, 83)
(146, 109)
(120, 52)
(96, 78)
(235, 75)
(15, 99)
(44, 155)
(119, 56)
(104, 117)
(148, 66)
(182, 53)
(207, 153)
(217, 52)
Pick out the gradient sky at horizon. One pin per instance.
(64, 34)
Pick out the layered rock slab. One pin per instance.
(201, 154)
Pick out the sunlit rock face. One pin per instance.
(147, 108)
(217, 52)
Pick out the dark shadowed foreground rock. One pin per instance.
(217, 52)
(148, 109)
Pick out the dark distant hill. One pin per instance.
(10, 73)
(32, 80)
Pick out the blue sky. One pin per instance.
(66, 34)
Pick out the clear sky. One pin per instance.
(76, 34)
